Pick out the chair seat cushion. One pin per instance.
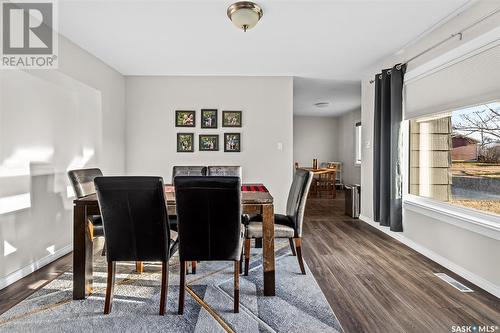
(247, 218)
(283, 220)
(278, 218)
(174, 243)
(174, 240)
(98, 228)
(254, 230)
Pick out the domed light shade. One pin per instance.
(244, 14)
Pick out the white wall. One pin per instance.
(87, 69)
(469, 254)
(314, 137)
(267, 107)
(327, 139)
(367, 114)
(471, 251)
(52, 121)
(346, 136)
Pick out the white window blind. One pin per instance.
(471, 80)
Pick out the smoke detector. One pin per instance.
(322, 105)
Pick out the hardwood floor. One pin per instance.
(376, 284)
(373, 282)
(23, 288)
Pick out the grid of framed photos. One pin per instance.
(209, 119)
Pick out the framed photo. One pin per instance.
(208, 118)
(208, 142)
(185, 118)
(232, 142)
(231, 118)
(185, 142)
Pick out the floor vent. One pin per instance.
(451, 281)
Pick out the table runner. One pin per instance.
(244, 188)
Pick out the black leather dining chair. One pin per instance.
(285, 226)
(209, 224)
(188, 170)
(82, 181)
(228, 170)
(136, 227)
(225, 170)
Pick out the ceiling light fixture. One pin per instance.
(322, 104)
(244, 14)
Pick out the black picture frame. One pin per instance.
(180, 148)
(203, 147)
(228, 121)
(234, 147)
(180, 120)
(209, 118)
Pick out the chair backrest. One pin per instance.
(83, 181)
(208, 217)
(230, 170)
(184, 170)
(297, 198)
(135, 219)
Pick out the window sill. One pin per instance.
(481, 223)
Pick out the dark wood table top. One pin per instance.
(247, 198)
(319, 170)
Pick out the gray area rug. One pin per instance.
(299, 304)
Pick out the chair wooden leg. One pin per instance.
(109, 287)
(247, 255)
(292, 246)
(236, 286)
(241, 263)
(139, 267)
(164, 286)
(103, 253)
(182, 287)
(193, 267)
(298, 247)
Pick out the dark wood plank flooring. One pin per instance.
(372, 282)
(19, 290)
(376, 284)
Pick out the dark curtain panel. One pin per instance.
(387, 143)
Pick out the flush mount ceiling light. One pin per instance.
(244, 14)
(322, 105)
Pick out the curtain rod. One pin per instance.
(452, 36)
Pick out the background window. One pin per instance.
(455, 157)
(357, 144)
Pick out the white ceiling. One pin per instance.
(336, 40)
(344, 96)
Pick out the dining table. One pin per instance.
(254, 200)
(323, 175)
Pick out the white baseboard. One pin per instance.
(22, 272)
(459, 270)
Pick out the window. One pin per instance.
(455, 157)
(357, 143)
